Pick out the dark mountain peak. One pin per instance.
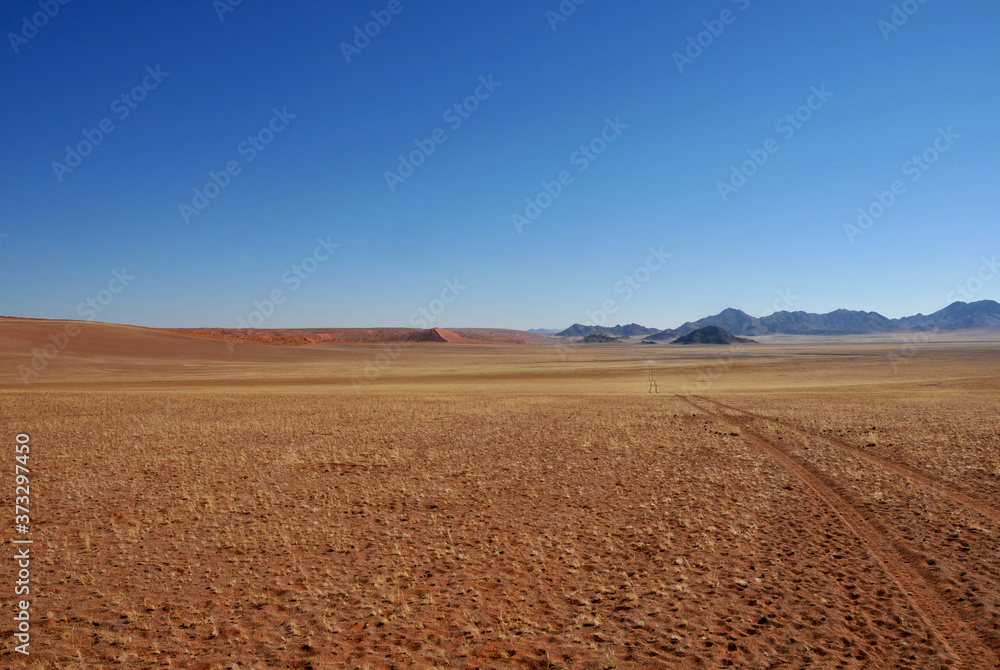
(978, 306)
(731, 319)
(598, 338)
(710, 335)
(957, 316)
(576, 330)
(852, 312)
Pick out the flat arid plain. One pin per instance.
(799, 504)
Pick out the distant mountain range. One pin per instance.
(956, 316)
(630, 330)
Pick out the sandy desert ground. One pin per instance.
(199, 504)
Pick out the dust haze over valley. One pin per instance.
(558, 335)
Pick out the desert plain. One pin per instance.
(197, 503)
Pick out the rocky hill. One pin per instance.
(711, 335)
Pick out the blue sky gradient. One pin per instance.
(776, 242)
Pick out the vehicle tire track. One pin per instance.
(917, 477)
(960, 645)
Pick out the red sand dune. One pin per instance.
(51, 352)
(308, 336)
(37, 348)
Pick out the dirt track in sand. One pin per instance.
(950, 631)
(983, 507)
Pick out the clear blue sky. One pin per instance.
(656, 185)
